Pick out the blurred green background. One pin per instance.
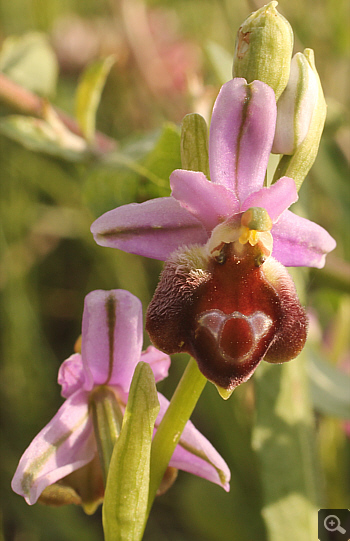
(170, 59)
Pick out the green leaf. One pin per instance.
(88, 95)
(329, 387)
(284, 439)
(40, 136)
(194, 144)
(30, 62)
(126, 496)
(221, 61)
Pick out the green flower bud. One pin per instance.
(264, 48)
(295, 106)
(303, 112)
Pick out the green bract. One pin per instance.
(126, 497)
(194, 144)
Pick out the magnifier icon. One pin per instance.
(332, 524)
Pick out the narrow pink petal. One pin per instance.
(71, 375)
(159, 362)
(209, 465)
(64, 445)
(208, 202)
(298, 242)
(275, 199)
(111, 336)
(153, 229)
(241, 134)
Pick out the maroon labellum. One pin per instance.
(228, 310)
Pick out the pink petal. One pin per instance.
(153, 229)
(111, 336)
(64, 445)
(275, 199)
(208, 202)
(71, 375)
(241, 134)
(211, 467)
(298, 242)
(159, 362)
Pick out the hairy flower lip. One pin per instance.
(229, 314)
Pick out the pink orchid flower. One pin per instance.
(111, 348)
(241, 136)
(224, 295)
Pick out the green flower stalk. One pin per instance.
(264, 48)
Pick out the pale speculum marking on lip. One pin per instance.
(236, 334)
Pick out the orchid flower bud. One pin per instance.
(295, 106)
(264, 48)
(301, 114)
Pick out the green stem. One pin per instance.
(171, 427)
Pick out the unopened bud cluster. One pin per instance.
(264, 52)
